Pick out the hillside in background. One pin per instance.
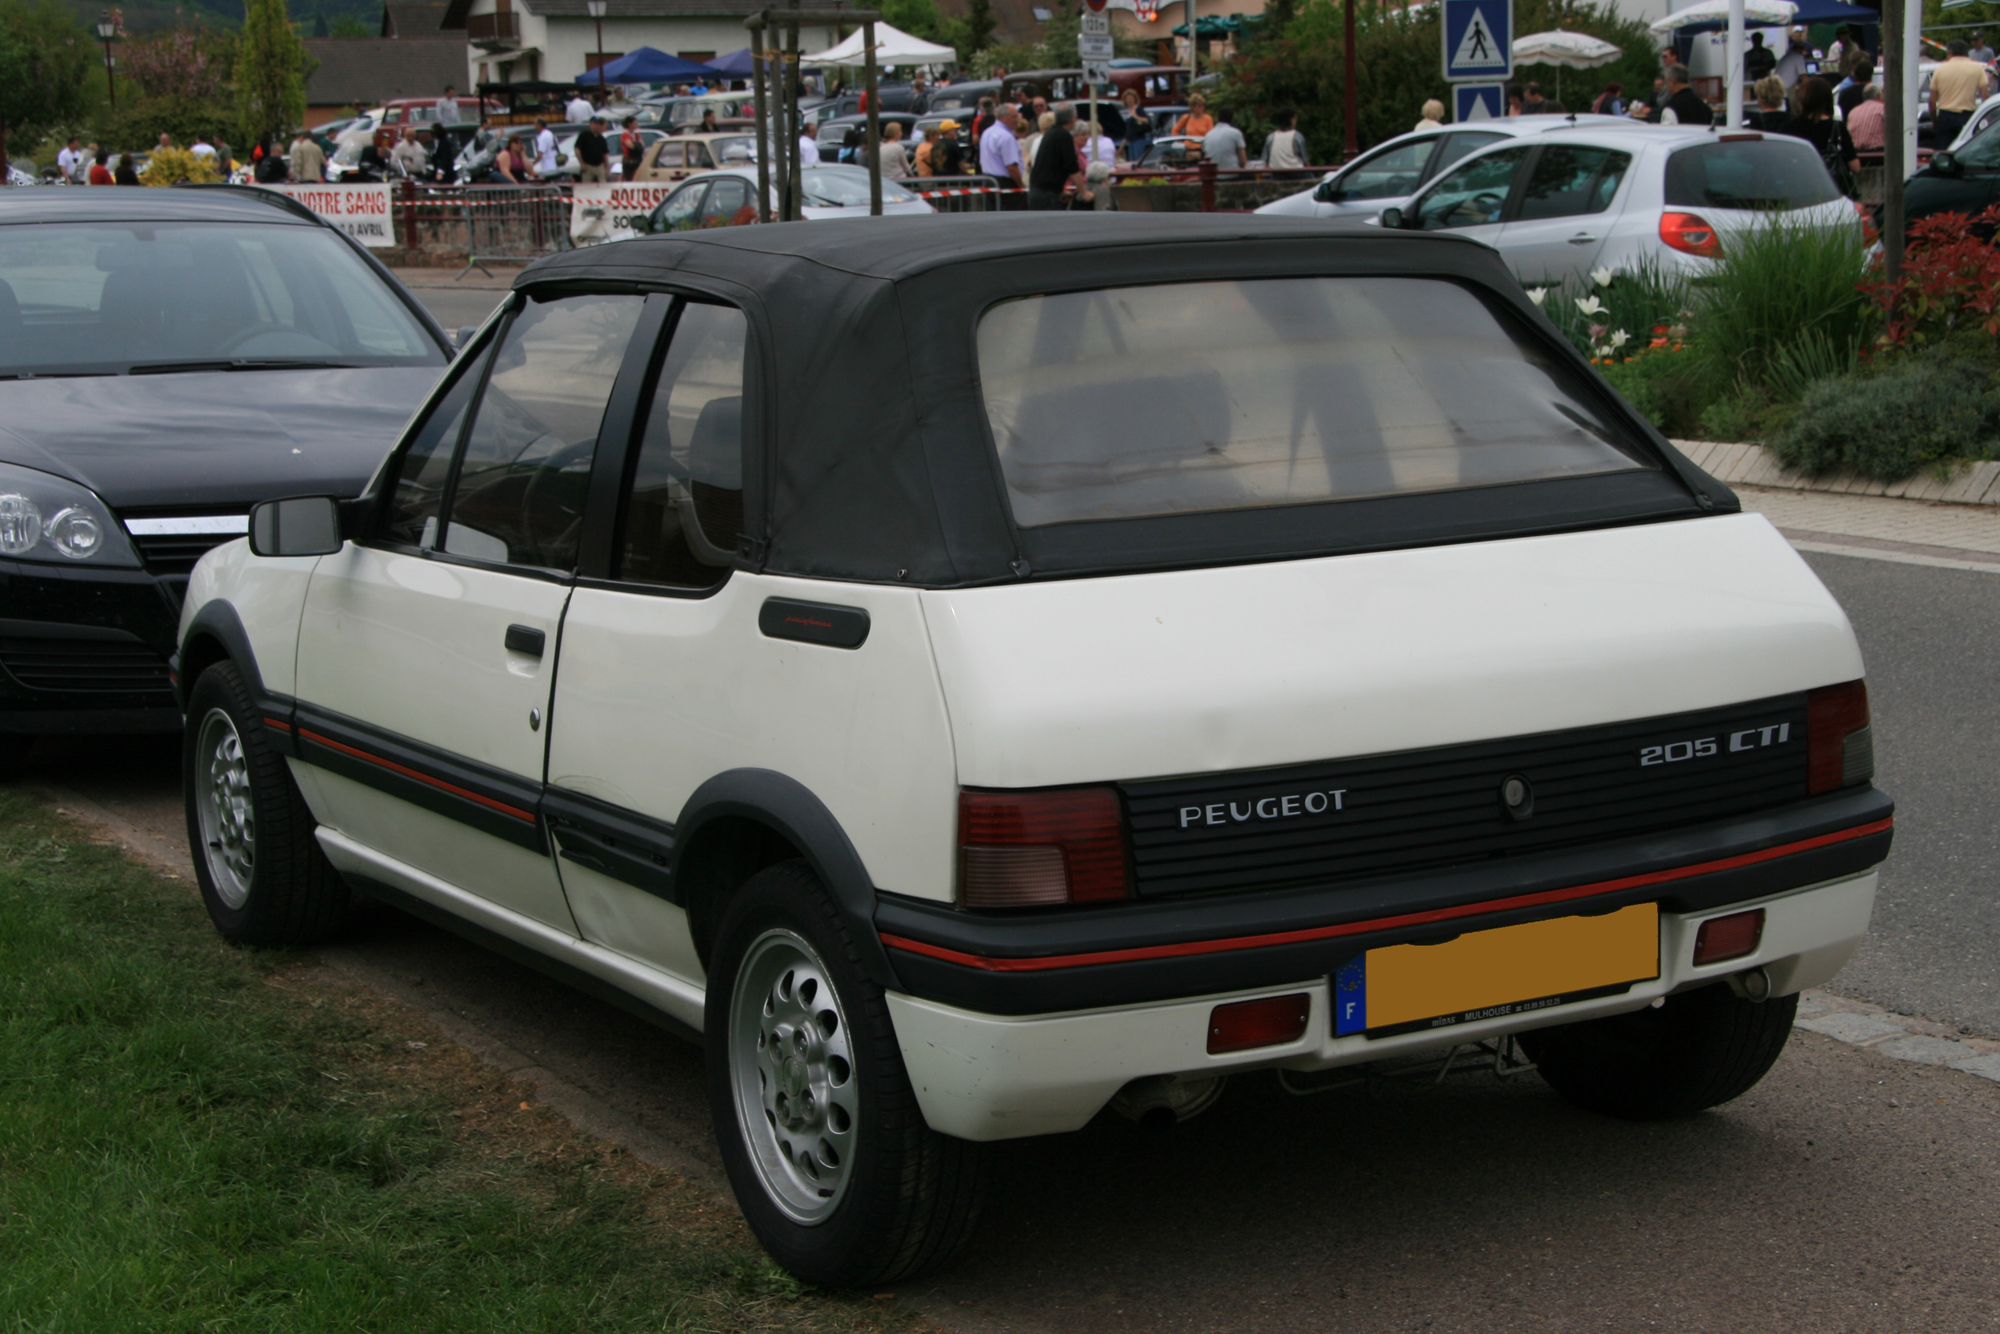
(149, 16)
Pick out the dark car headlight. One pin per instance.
(47, 518)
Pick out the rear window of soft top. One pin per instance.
(1776, 172)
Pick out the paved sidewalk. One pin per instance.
(448, 276)
(1969, 483)
(1924, 532)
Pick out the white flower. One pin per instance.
(1535, 294)
(1603, 277)
(1590, 305)
(1619, 338)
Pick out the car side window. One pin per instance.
(1388, 175)
(728, 203)
(1571, 179)
(517, 494)
(1473, 194)
(683, 504)
(698, 156)
(1456, 146)
(677, 212)
(415, 486)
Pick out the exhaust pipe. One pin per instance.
(1160, 1102)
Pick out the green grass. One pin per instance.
(197, 1138)
(1785, 301)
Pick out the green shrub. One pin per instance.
(135, 128)
(1912, 414)
(1635, 308)
(1786, 296)
(1664, 385)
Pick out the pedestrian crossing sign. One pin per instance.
(1478, 101)
(1478, 40)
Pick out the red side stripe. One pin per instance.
(408, 772)
(278, 723)
(1186, 948)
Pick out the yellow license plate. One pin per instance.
(1502, 971)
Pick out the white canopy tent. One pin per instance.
(1564, 50)
(1763, 13)
(893, 46)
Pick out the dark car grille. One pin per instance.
(1438, 807)
(175, 554)
(85, 666)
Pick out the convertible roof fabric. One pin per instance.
(878, 462)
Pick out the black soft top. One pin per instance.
(878, 462)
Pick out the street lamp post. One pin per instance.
(107, 32)
(596, 8)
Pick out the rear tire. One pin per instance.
(828, 1152)
(1699, 1050)
(263, 877)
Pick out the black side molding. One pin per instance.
(813, 622)
(612, 841)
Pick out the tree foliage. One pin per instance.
(185, 63)
(136, 126)
(971, 34)
(1299, 63)
(44, 57)
(919, 18)
(271, 70)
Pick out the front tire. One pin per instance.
(1699, 1050)
(264, 879)
(828, 1152)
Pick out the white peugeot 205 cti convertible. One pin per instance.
(970, 674)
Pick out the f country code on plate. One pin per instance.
(362, 211)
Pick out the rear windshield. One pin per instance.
(1775, 173)
(108, 298)
(1200, 397)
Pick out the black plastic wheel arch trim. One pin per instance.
(490, 800)
(793, 810)
(612, 841)
(217, 620)
(1143, 952)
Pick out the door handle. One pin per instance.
(525, 639)
(1581, 238)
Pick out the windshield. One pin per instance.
(106, 298)
(847, 187)
(1775, 173)
(1212, 396)
(1983, 151)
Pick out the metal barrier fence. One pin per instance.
(966, 194)
(512, 223)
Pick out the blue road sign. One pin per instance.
(1478, 40)
(1479, 101)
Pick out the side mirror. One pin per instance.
(641, 224)
(300, 526)
(463, 336)
(1946, 164)
(1329, 193)
(1392, 217)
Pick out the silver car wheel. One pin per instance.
(792, 1071)
(222, 803)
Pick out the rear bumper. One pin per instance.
(984, 1076)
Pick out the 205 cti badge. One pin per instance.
(971, 674)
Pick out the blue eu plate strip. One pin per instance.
(1350, 997)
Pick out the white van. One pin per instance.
(973, 673)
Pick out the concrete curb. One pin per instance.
(1971, 483)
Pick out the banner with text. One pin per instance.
(362, 211)
(605, 212)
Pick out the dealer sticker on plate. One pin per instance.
(1491, 974)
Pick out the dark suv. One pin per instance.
(132, 441)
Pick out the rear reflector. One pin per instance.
(1030, 849)
(1258, 1023)
(1690, 234)
(1840, 743)
(1729, 937)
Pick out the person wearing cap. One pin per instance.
(593, 152)
(1791, 66)
(947, 155)
(1981, 52)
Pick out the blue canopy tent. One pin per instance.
(646, 66)
(737, 64)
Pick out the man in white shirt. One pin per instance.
(446, 110)
(545, 148)
(579, 111)
(202, 148)
(1000, 147)
(1224, 144)
(72, 161)
(808, 150)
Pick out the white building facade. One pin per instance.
(520, 41)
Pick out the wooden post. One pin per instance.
(1350, 101)
(767, 140)
(794, 155)
(873, 91)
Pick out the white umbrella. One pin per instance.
(1763, 13)
(893, 46)
(1570, 50)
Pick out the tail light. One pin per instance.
(1729, 937)
(1028, 849)
(1691, 234)
(1242, 1025)
(1840, 745)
